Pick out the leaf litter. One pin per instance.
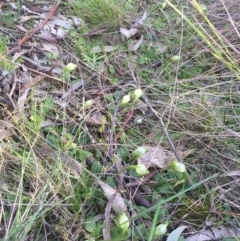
(57, 29)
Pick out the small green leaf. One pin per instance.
(90, 224)
(140, 232)
(82, 155)
(123, 152)
(69, 67)
(110, 181)
(96, 167)
(116, 234)
(141, 60)
(111, 69)
(48, 105)
(88, 103)
(53, 140)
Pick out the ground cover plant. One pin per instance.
(119, 120)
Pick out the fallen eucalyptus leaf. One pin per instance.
(159, 157)
(52, 48)
(118, 204)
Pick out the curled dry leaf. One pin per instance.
(95, 119)
(128, 33)
(159, 157)
(140, 21)
(135, 45)
(118, 203)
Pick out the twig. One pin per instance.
(138, 198)
(51, 230)
(107, 214)
(160, 121)
(163, 128)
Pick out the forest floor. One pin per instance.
(120, 120)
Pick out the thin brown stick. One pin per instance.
(163, 128)
(160, 121)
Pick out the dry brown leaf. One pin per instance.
(95, 119)
(140, 21)
(22, 99)
(128, 33)
(118, 204)
(29, 17)
(52, 48)
(215, 233)
(74, 87)
(159, 157)
(33, 82)
(19, 54)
